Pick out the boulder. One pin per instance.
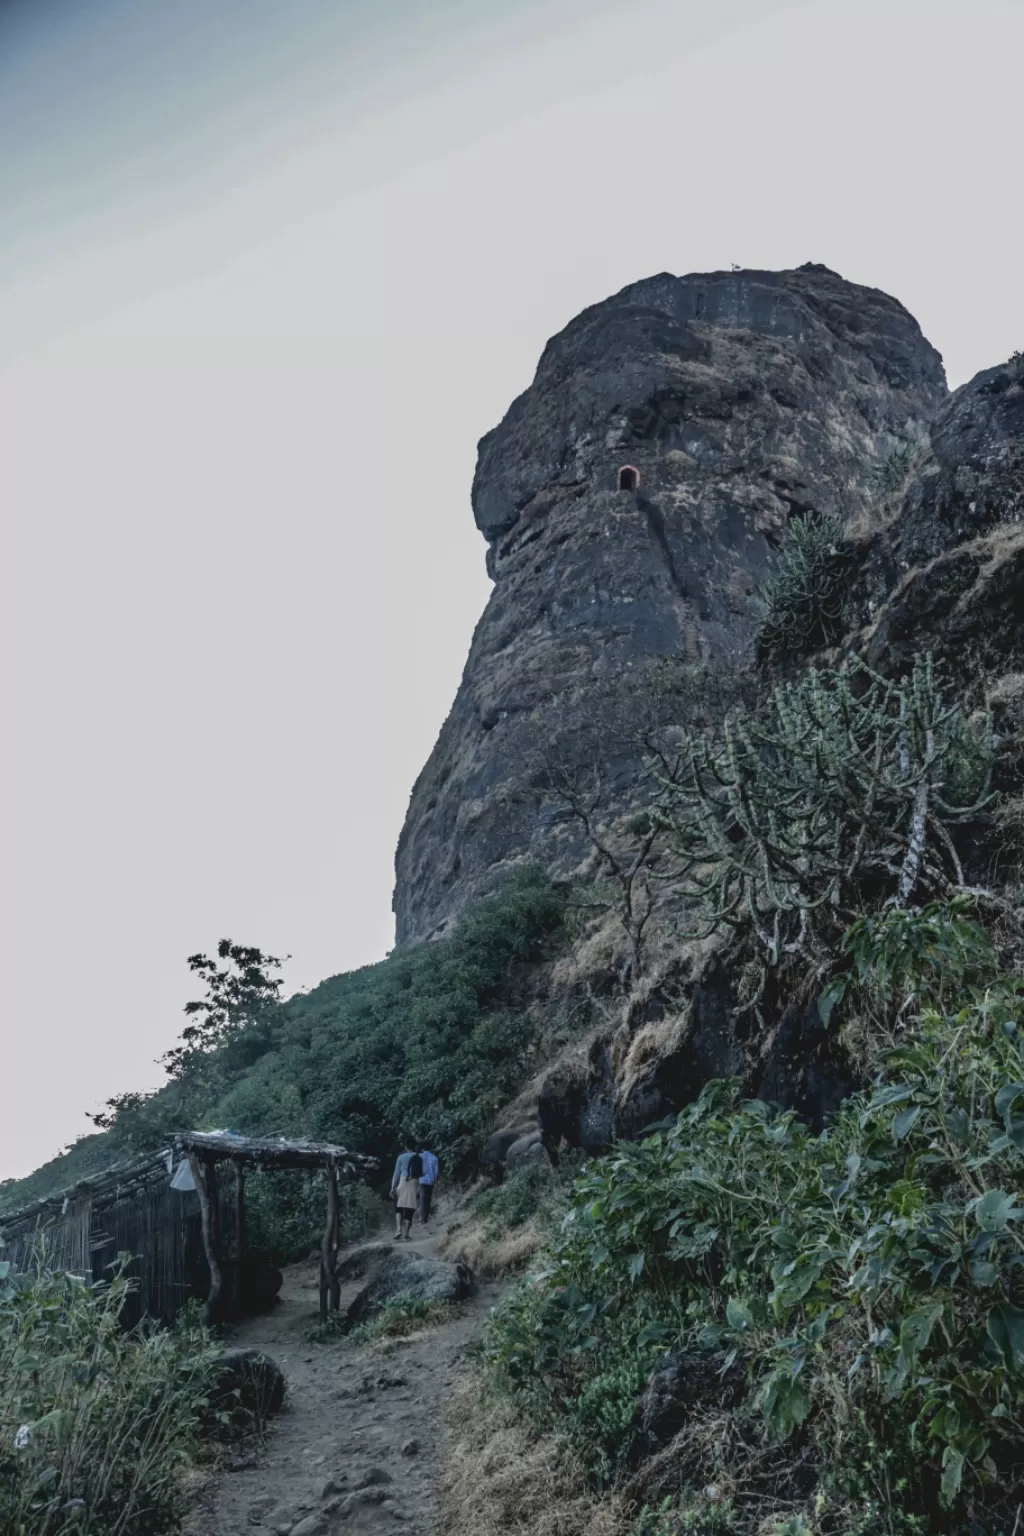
(495, 1150)
(247, 1382)
(412, 1274)
(527, 1149)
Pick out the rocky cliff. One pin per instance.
(739, 399)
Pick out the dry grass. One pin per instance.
(498, 1479)
(651, 1042)
(599, 953)
(493, 1257)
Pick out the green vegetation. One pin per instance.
(892, 474)
(536, 1192)
(805, 596)
(432, 1041)
(96, 1424)
(839, 795)
(402, 1315)
(865, 1284)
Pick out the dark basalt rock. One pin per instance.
(742, 398)
(680, 1384)
(946, 576)
(248, 1384)
(412, 1274)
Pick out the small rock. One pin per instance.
(313, 1525)
(260, 1508)
(372, 1477)
(359, 1499)
(410, 1447)
(332, 1485)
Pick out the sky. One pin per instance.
(267, 274)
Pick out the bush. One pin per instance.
(95, 1423)
(868, 1279)
(535, 1192)
(285, 1212)
(805, 596)
(892, 474)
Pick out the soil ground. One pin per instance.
(354, 1449)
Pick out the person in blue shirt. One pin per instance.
(428, 1183)
(405, 1183)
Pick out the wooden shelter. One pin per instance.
(184, 1235)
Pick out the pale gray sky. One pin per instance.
(267, 272)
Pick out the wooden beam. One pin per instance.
(329, 1289)
(239, 1232)
(199, 1177)
(334, 1205)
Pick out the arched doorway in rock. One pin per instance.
(629, 478)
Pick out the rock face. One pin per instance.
(947, 575)
(740, 399)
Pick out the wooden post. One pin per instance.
(334, 1205)
(239, 1232)
(199, 1177)
(330, 1293)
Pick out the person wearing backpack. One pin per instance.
(405, 1188)
(428, 1183)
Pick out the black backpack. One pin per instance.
(415, 1168)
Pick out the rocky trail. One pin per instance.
(354, 1449)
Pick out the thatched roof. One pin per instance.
(264, 1152)
(143, 1173)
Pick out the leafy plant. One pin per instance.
(535, 1192)
(96, 1424)
(804, 599)
(868, 1280)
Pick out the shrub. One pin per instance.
(868, 1279)
(892, 474)
(95, 1423)
(535, 1192)
(285, 1212)
(805, 596)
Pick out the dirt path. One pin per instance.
(353, 1450)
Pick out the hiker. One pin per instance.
(428, 1183)
(405, 1184)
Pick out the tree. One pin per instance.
(230, 1029)
(838, 796)
(240, 996)
(627, 855)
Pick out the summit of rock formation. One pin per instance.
(741, 399)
